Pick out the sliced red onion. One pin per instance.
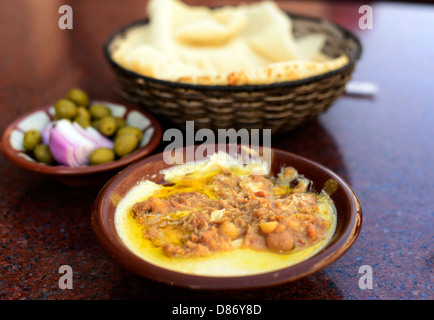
(45, 133)
(71, 145)
(94, 135)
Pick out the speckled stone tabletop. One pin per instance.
(382, 145)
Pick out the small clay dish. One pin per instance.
(349, 222)
(12, 145)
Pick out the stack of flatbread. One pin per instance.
(230, 45)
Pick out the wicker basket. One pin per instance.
(280, 107)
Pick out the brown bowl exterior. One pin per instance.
(349, 222)
(84, 175)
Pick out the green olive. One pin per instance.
(101, 155)
(98, 111)
(42, 153)
(83, 121)
(107, 126)
(83, 112)
(78, 96)
(65, 109)
(95, 124)
(130, 130)
(120, 122)
(31, 139)
(125, 144)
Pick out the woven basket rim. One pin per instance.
(238, 88)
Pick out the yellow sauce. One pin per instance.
(230, 263)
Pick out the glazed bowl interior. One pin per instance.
(349, 220)
(12, 145)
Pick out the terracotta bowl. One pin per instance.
(12, 146)
(349, 222)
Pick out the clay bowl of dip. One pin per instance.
(108, 204)
(12, 145)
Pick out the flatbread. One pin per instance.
(230, 45)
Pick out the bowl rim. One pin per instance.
(236, 88)
(112, 244)
(13, 155)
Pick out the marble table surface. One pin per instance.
(382, 145)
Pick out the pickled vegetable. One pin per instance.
(83, 121)
(65, 109)
(107, 126)
(83, 112)
(120, 122)
(82, 132)
(31, 139)
(43, 154)
(78, 96)
(125, 144)
(130, 130)
(99, 111)
(101, 155)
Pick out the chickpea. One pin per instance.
(268, 227)
(280, 241)
(312, 232)
(230, 229)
